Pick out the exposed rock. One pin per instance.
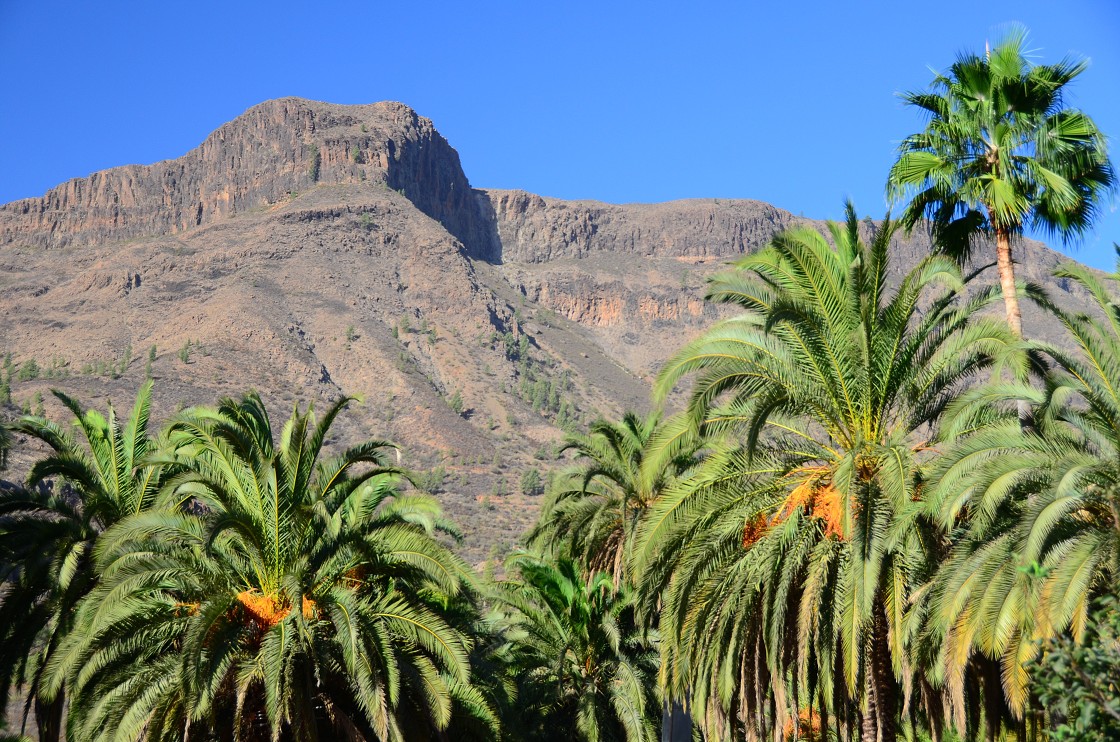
(311, 250)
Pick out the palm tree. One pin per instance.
(585, 669)
(1035, 512)
(290, 597)
(593, 508)
(48, 533)
(785, 563)
(1001, 151)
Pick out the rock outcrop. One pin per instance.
(267, 155)
(532, 229)
(311, 250)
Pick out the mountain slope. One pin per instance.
(311, 250)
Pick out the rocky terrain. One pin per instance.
(311, 250)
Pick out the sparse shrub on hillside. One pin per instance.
(5, 391)
(185, 352)
(531, 485)
(315, 161)
(28, 370)
(455, 402)
(430, 481)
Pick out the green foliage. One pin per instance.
(28, 370)
(455, 402)
(1035, 510)
(531, 483)
(583, 667)
(185, 352)
(431, 481)
(1001, 150)
(594, 507)
(314, 162)
(799, 529)
(48, 536)
(281, 566)
(1076, 681)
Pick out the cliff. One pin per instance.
(312, 250)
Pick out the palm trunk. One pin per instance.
(48, 717)
(880, 722)
(869, 715)
(1007, 282)
(1006, 268)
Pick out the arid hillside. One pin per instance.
(311, 250)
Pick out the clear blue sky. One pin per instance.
(788, 102)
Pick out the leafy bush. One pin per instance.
(316, 161)
(1077, 682)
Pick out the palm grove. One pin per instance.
(884, 513)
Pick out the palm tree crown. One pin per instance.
(1034, 512)
(797, 543)
(48, 533)
(1001, 151)
(585, 670)
(594, 507)
(289, 597)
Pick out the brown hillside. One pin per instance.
(370, 268)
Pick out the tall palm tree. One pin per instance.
(1001, 151)
(585, 669)
(48, 533)
(593, 508)
(1036, 511)
(785, 563)
(291, 597)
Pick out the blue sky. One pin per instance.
(787, 102)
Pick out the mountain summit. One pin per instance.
(311, 250)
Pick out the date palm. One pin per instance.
(585, 670)
(1036, 511)
(292, 597)
(787, 560)
(1001, 151)
(593, 508)
(49, 530)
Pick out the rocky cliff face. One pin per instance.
(274, 150)
(312, 250)
(532, 229)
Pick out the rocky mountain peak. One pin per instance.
(271, 153)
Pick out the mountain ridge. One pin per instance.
(313, 250)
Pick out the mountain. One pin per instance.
(311, 250)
